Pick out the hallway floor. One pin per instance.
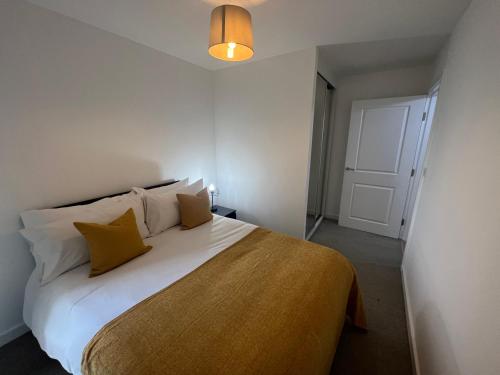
(384, 349)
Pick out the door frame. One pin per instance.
(327, 127)
(419, 164)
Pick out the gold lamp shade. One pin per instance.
(231, 33)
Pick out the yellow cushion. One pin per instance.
(112, 244)
(194, 209)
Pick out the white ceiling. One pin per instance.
(364, 57)
(180, 27)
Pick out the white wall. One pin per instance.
(440, 63)
(263, 121)
(451, 264)
(85, 113)
(375, 85)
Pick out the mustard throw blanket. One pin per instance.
(269, 304)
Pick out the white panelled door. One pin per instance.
(383, 136)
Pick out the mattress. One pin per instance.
(65, 314)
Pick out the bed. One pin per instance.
(226, 297)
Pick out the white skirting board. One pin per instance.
(13, 333)
(410, 327)
(316, 226)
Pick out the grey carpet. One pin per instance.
(383, 350)
(24, 356)
(359, 246)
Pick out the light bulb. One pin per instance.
(211, 188)
(230, 50)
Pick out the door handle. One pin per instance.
(349, 169)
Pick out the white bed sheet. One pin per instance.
(65, 314)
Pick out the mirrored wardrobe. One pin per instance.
(319, 152)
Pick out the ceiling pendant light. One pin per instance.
(231, 33)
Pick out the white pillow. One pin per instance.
(159, 190)
(162, 210)
(162, 189)
(109, 207)
(112, 208)
(58, 246)
(34, 218)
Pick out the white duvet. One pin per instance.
(66, 313)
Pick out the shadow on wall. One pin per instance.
(435, 352)
(95, 176)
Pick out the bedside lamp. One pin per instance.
(211, 190)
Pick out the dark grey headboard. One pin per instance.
(88, 201)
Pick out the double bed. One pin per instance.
(226, 297)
